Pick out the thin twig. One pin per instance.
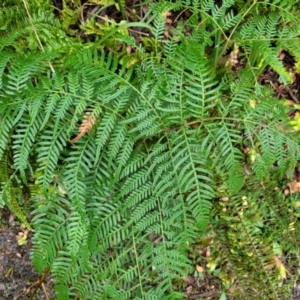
(293, 96)
(45, 292)
(26, 291)
(139, 32)
(41, 281)
(202, 295)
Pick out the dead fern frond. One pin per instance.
(85, 126)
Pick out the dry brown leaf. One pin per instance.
(189, 289)
(289, 102)
(294, 186)
(280, 267)
(86, 125)
(233, 58)
(200, 269)
(189, 280)
(166, 14)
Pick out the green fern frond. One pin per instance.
(117, 211)
(10, 193)
(49, 150)
(23, 141)
(52, 233)
(6, 125)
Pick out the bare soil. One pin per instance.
(18, 278)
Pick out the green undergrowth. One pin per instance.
(156, 159)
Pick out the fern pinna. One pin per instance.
(118, 206)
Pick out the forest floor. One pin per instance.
(18, 278)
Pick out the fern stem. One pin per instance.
(138, 266)
(233, 31)
(35, 32)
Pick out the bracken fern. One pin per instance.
(163, 134)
